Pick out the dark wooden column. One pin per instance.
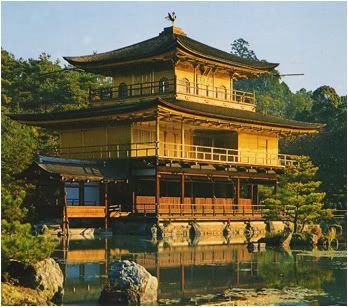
(63, 206)
(133, 191)
(157, 196)
(238, 190)
(182, 188)
(256, 189)
(106, 205)
(252, 189)
(157, 135)
(81, 193)
(182, 136)
(106, 256)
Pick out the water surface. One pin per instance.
(208, 274)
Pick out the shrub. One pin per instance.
(11, 205)
(18, 243)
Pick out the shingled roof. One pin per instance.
(223, 113)
(169, 39)
(76, 169)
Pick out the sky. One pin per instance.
(304, 37)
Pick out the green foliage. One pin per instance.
(11, 205)
(327, 149)
(299, 201)
(240, 47)
(18, 243)
(18, 147)
(39, 85)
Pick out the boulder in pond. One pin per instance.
(129, 284)
(44, 276)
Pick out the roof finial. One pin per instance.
(171, 17)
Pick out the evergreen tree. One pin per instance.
(298, 200)
(328, 149)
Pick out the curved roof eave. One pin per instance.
(266, 67)
(293, 125)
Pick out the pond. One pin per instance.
(208, 274)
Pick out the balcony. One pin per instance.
(173, 88)
(178, 152)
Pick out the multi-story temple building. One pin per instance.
(172, 140)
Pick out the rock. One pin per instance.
(312, 239)
(286, 236)
(129, 284)
(45, 276)
(298, 240)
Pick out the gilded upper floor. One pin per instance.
(172, 65)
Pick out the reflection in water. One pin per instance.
(185, 272)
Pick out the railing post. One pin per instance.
(175, 84)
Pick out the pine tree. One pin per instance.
(298, 201)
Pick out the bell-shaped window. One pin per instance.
(164, 86)
(222, 92)
(123, 90)
(186, 85)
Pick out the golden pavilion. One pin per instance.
(171, 141)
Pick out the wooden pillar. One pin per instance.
(106, 205)
(157, 134)
(182, 188)
(81, 193)
(157, 197)
(64, 209)
(82, 271)
(133, 189)
(257, 200)
(182, 138)
(238, 190)
(106, 256)
(252, 193)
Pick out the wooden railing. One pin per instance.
(125, 91)
(223, 155)
(170, 86)
(111, 151)
(178, 152)
(192, 210)
(216, 93)
(86, 211)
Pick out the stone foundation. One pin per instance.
(195, 232)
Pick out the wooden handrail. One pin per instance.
(196, 209)
(218, 93)
(178, 152)
(170, 86)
